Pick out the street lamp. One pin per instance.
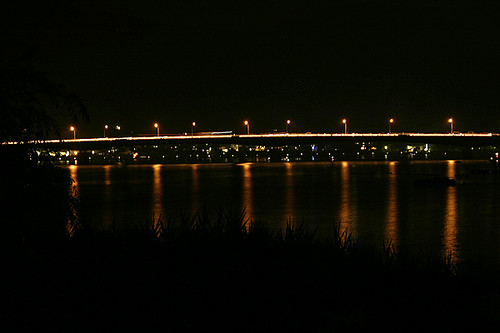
(344, 121)
(105, 128)
(157, 129)
(248, 126)
(391, 121)
(287, 123)
(73, 129)
(451, 125)
(193, 124)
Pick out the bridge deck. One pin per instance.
(455, 139)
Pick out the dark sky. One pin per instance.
(220, 62)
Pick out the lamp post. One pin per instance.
(193, 124)
(157, 129)
(105, 128)
(344, 121)
(391, 121)
(287, 123)
(73, 129)
(247, 125)
(451, 125)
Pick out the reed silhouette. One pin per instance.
(231, 273)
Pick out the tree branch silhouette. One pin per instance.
(28, 101)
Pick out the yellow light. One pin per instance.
(288, 121)
(194, 124)
(344, 121)
(246, 122)
(72, 128)
(106, 126)
(391, 120)
(450, 120)
(156, 125)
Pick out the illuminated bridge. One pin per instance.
(456, 139)
(289, 147)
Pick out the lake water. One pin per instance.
(377, 201)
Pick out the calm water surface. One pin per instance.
(377, 201)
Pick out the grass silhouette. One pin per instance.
(195, 274)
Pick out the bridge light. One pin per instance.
(105, 128)
(451, 125)
(391, 121)
(287, 123)
(193, 124)
(73, 129)
(248, 126)
(157, 129)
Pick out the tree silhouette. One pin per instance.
(37, 200)
(28, 100)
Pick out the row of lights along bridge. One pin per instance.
(247, 126)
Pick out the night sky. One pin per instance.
(219, 63)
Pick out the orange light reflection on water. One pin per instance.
(391, 227)
(290, 204)
(345, 212)
(73, 172)
(247, 190)
(108, 211)
(195, 189)
(157, 209)
(450, 232)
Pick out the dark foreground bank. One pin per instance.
(197, 275)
